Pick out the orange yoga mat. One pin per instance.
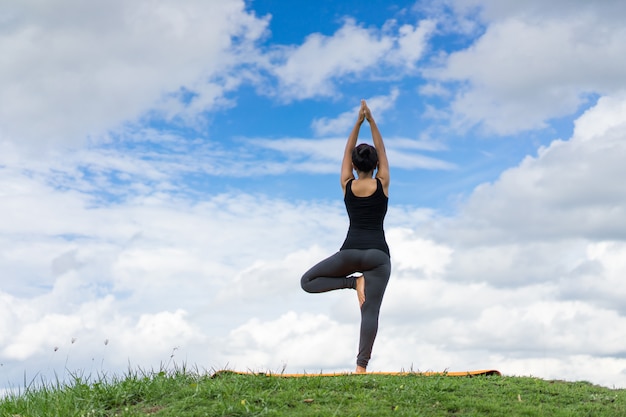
(481, 372)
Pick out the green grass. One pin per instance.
(182, 393)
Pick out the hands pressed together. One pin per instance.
(365, 113)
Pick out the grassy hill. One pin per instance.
(181, 393)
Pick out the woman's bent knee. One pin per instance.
(305, 284)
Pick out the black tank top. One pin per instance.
(367, 215)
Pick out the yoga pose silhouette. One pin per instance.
(365, 249)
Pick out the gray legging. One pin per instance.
(331, 274)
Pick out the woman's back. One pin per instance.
(367, 215)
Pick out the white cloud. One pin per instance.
(313, 68)
(568, 190)
(82, 69)
(434, 89)
(412, 43)
(528, 68)
(597, 277)
(546, 240)
(306, 342)
(612, 10)
(432, 259)
(308, 70)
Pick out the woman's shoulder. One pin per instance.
(383, 184)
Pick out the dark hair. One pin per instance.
(365, 157)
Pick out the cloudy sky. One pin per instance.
(169, 169)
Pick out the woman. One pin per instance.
(364, 251)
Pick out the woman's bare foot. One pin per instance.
(360, 370)
(360, 289)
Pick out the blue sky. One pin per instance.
(168, 170)
(457, 160)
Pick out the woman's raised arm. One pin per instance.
(382, 173)
(347, 172)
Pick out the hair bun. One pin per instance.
(364, 157)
